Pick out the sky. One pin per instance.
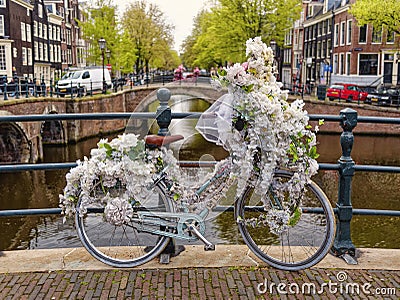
(180, 13)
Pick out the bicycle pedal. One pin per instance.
(210, 247)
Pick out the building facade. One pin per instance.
(40, 39)
(328, 46)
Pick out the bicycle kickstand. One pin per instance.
(207, 245)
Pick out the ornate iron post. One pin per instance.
(343, 244)
(163, 114)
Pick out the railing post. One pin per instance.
(343, 244)
(163, 115)
(51, 87)
(43, 87)
(5, 88)
(16, 80)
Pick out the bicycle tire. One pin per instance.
(302, 245)
(123, 246)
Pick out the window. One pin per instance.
(390, 37)
(35, 33)
(50, 32)
(342, 33)
(377, 35)
(24, 57)
(40, 29)
(36, 51)
(323, 50)
(23, 32)
(40, 10)
(3, 66)
(45, 31)
(368, 64)
(40, 51)
(28, 32)
(348, 59)
(363, 34)
(319, 50)
(335, 64)
(328, 48)
(51, 53)
(341, 64)
(336, 36)
(45, 56)
(29, 57)
(2, 3)
(2, 31)
(349, 33)
(329, 25)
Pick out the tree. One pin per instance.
(100, 22)
(378, 13)
(230, 23)
(149, 32)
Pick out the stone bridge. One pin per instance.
(22, 142)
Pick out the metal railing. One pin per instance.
(22, 87)
(346, 167)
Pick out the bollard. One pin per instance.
(17, 89)
(27, 88)
(51, 87)
(5, 89)
(163, 117)
(163, 114)
(35, 92)
(343, 246)
(43, 87)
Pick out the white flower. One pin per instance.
(118, 210)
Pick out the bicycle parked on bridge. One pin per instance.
(131, 197)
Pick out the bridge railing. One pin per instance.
(346, 167)
(22, 87)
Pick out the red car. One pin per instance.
(346, 91)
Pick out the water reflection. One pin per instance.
(38, 189)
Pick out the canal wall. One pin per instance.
(23, 141)
(327, 107)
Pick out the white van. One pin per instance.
(84, 81)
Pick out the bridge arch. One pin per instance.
(188, 90)
(15, 145)
(52, 131)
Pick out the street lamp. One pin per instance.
(108, 55)
(102, 46)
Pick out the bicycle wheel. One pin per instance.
(130, 244)
(306, 240)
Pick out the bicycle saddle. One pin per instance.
(160, 140)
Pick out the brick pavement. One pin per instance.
(202, 283)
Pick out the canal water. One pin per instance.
(40, 189)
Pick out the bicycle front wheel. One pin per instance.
(303, 243)
(130, 244)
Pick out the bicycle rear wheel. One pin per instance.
(126, 245)
(307, 239)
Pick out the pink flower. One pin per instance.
(245, 65)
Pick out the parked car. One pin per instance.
(384, 96)
(346, 91)
(84, 81)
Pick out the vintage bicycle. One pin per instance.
(130, 198)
